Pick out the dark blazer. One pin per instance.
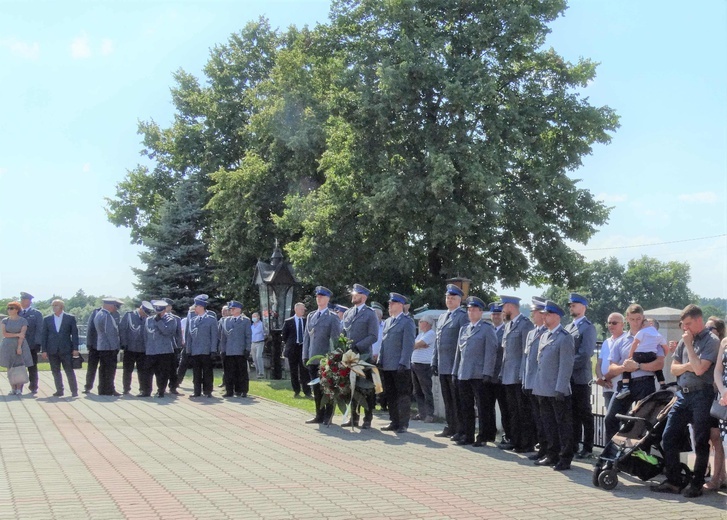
(289, 335)
(63, 342)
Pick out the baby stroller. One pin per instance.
(630, 450)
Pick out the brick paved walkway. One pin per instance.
(106, 458)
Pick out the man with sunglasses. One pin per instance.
(615, 326)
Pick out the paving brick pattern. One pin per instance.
(176, 458)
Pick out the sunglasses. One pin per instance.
(614, 322)
(711, 328)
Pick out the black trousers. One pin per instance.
(202, 374)
(236, 376)
(501, 399)
(558, 424)
(91, 367)
(107, 360)
(299, 378)
(173, 379)
(184, 364)
(540, 436)
(131, 360)
(397, 385)
(33, 371)
(65, 360)
(582, 416)
(160, 366)
(521, 418)
(449, 396)
(370, 401)
(322, 414)
(476, 398)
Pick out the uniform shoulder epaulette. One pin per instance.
(586, 320)
(563, 331)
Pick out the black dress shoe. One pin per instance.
(127, 392)
(115, 394)
(562, 465)
(389, 428)
(74, 394)
(464, 442)
(173, 391)
(314, 420)
(221, 385)
(350, 423)
(545, 461)
(402, 429)
(455, 437)
(86, 391)
(584, 454)
(526, 449)
(208, 395)
(478, 444)
(506, 446)
(228, 394)
(444, 433)
(159, 395)
(243, 394)
(366, 425)
(142, 394)
(58, 394)
(536, 456)
(194, 396)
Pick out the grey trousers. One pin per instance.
(421, 376)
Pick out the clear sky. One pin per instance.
(76, 77)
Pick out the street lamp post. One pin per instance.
(276, 282)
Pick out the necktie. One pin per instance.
(299, 326)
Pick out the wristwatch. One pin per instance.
(638, 366)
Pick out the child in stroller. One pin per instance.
(630, 450)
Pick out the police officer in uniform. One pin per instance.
(235, 343)
(131, 336)
(584, 338)
(445, 348)
(322, 328)
(476, 360)
(160, 330)
(361, 326)
(32, 336)
(530, 370)
(178, 346)
(556, 355)
(107, 345)
(500, 398)
(397, 345)
(516, 328)
(91, 341)
(201, 338)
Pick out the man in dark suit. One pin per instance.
(293, 332)
(32, 336)
(59, 344)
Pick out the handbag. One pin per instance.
(18, 375)
(718, 411)
(78, 362)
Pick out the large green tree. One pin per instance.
(399, 144)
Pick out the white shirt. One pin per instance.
(605, 354)
(58, 320)
(424, 355)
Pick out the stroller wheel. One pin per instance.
(608, 479)
(685, 474)
(596, 473)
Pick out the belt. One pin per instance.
(642, 378)
(693, 388)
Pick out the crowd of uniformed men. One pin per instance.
(538, 371)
